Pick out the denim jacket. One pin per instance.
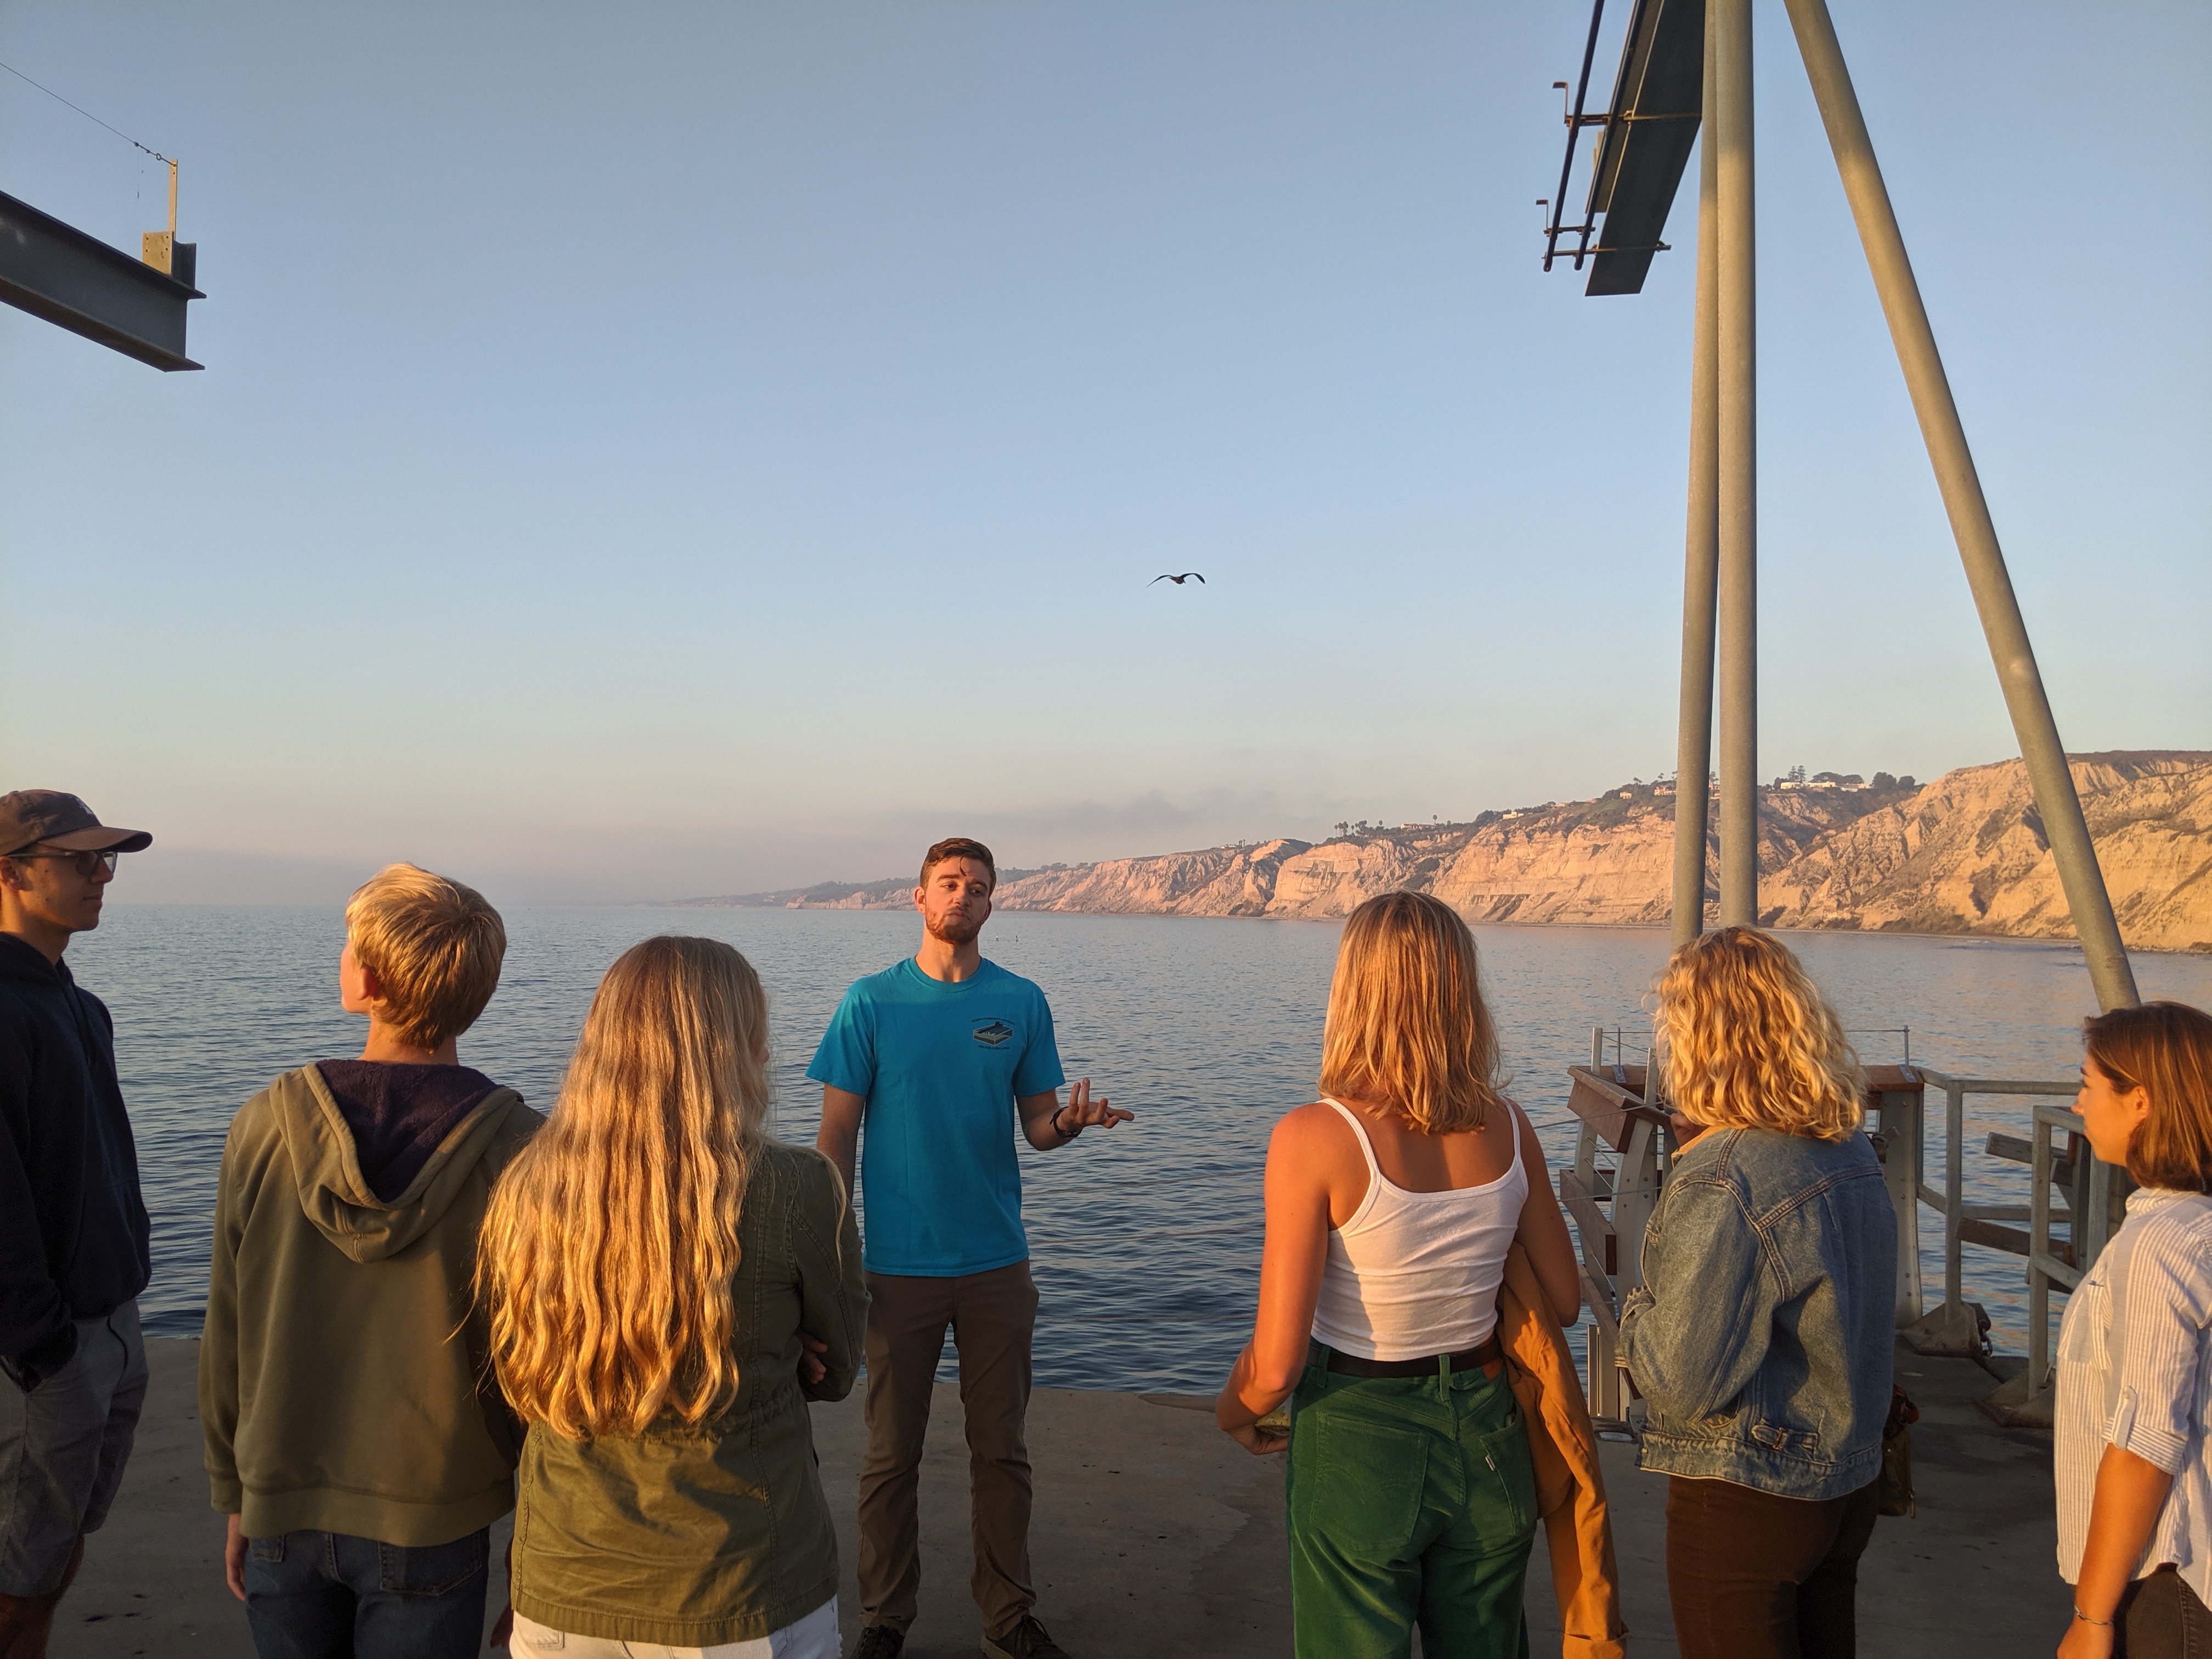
(1763, 1332)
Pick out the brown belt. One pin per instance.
(1487, 1352)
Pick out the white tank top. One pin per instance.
(1412, 1274)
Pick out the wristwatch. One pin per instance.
(1065, 1134)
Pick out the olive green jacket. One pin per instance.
(345, 1381)
(696, 1536)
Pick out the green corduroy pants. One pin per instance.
(1412, 1501)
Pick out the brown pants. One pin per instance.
(992, 1315)
(2161, 1618)
(1752, 1575)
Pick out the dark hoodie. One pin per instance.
(344, 1384)
(74, 1239)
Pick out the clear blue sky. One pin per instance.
(651, 451)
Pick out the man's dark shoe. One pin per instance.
(1027, 1640)
(879, 1642)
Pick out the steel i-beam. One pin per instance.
(79, 282)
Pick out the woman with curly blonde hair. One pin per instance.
(653, 1261)
(1763, 1332)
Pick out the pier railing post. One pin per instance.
(1701, 552)
(2038, 1239)
(1954, 1176)
(1901, 1131)
(2056, 799)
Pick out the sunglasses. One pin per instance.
(85, 863)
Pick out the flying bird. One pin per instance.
(1166, 576)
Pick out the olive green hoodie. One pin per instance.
(344, 1385)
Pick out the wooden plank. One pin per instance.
(2059, 1273)
(1610, 1099)
(2011, 1239)
(1589, 1221)
(1892, 1080)
(2023, 1151)
(1599, 1300)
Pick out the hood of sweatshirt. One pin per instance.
(333, 1192)
(399, 1113)
(23, 962)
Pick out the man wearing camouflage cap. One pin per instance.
(74, 1239)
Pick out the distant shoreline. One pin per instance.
(1963, 857)
(1113, 915)
(2027, 941)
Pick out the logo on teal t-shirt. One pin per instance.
(940, 1066)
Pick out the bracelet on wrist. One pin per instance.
(2101, 1623)
(1065, 1134)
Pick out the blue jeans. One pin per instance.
(331, 1596)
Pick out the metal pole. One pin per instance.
(2055, 801)
(1735, 314)
(173, 203)
(1693, 742)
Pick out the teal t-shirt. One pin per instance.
(940, 1066)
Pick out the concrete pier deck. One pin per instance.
(1155, 1534)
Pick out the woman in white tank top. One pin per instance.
(1391, 1204)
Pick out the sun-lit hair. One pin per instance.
(1748, 1042)
(2163, 1048)
(612, 1241)
(1407, 1027)
(434, 946)
(958, 846)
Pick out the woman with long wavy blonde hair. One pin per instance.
(657, 1269)
(1762, 1335)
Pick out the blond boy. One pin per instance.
(353, 1436)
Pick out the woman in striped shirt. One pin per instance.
(2135, 1481)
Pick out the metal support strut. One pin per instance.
(1736, 313)
(2048, 776)
(1693, 743)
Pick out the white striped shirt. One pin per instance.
(2141, 1381)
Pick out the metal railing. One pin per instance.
(1951, 1203)
(2093, 1219)
(1620, 1164)
(1625, 1149)
(2069, 1187)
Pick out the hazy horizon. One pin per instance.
(187, 875)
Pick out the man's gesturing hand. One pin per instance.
(1048, 1124)
(1082, 1111)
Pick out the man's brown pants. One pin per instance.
(992, 1316)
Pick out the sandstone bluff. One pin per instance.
(1964, 855)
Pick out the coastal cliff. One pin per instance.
(1965, 853)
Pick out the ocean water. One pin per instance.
(1145, 1240)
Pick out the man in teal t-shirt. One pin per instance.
(941, 1059)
